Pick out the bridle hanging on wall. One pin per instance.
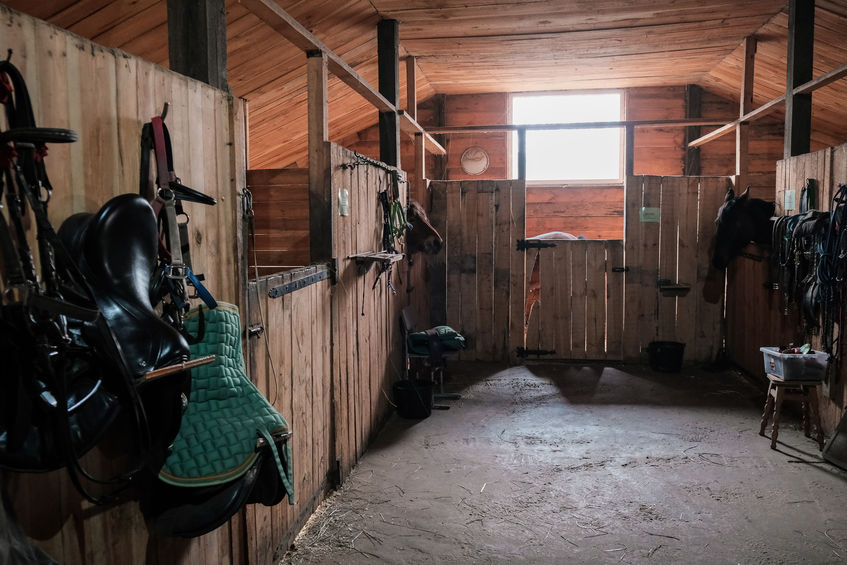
(394, 223)
(166, 196)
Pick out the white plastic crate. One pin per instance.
(795, 366)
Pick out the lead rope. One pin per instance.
(251, 228)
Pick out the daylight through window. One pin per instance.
(570, 155)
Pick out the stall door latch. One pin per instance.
(524, 244)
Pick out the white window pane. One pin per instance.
(570, 154)
(561, 109)
(573, 154)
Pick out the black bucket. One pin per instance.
(413, 398)
(666, 356)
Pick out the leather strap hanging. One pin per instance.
(166, 201)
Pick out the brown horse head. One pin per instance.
(740, 220)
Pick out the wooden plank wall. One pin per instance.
(675, 248)
(658, 151)
(756, 317)
(290, 364)
(594, 212)
(365, 333)
(483, 296)
(106, 95)
(478, 109)
(281, 219)
(580, 311)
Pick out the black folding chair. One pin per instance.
(436, 358)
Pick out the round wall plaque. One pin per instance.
(474, 160)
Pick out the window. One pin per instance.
(569, 155)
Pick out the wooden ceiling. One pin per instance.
(470, 46)
(829, 114)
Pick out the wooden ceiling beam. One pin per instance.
(281, 21)
(278, 19)
(765, 109)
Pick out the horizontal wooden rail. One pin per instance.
(411, 127)
(814, 84)
(281, 21)
(574, 125)
(759, 112)
(823, 80)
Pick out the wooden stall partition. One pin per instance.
(281, 220)
(290, 364)
(366, 336)
(669, 228)
(756, 317)
(792, 176)
(106, 96)
(481, 286)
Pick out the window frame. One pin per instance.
(511, 140)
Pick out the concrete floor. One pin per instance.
(586, 464)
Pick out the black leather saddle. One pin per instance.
(116, 249)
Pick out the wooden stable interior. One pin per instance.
(292, 130)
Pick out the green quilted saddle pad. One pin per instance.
(226, 413)
(450, 339)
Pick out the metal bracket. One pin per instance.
(290, 287)
(524, 244)
(255, 330)
(527, 352)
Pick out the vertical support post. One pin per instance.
(629, 145)
(693, 109)
(197, 40)
(521, 153)
(322, 201)
(420, 168)
(439, 118)
(742, 132)
(798, 107)
(411, 88)
(388, 50)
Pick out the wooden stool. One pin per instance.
(807, 390)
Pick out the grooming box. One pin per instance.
(795, 366)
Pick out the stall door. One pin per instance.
(476, 282)
(579, 311)
(669, 227)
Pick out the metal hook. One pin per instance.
(164, 113)
(8, 55)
